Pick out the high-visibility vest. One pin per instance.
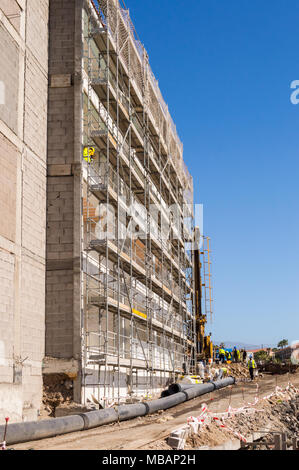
(238, 353)
(251, 364)
(221, 351)
(88, 154)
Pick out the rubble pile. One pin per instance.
(237, 370)
(276, 412)
(289, 415)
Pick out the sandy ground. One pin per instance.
(149, 432)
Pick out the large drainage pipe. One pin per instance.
(30, 431)
(209, 387)
(176, 388)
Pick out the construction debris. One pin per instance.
(58, 390)
(276, 412)
(237, 370)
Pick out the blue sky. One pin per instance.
(225, 70)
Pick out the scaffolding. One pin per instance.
(206, 278)
(137, 220)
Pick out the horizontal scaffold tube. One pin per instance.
(31, 431)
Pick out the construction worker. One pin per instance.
(222, 355)
(228, 356)
(251, 366)
(236, 354)
(220, 373)
(88, 154)
(244, 355)
(224, 371)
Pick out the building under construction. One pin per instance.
(119, 310)
(23, 178)
(101, 292)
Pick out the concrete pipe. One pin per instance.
(224, 383)
(132, 411)
(34, 430)
(94, 419)
(199, 390)
(176, 388)
(166, 402)
(24, 432)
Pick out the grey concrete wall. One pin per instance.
(23, 137)
(9, 71)
(64, 177)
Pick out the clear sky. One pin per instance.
(225, 69)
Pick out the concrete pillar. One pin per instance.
(63, 311)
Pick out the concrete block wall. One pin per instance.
(63, 286)
(7, 266)
(59, 307)
(23, 156)
(8, 188)
(9, 73)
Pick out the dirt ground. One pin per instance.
(150, 432)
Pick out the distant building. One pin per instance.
(254, 351)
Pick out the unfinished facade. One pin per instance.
(119, 311)
(23, 135)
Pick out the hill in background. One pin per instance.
(239, 345)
